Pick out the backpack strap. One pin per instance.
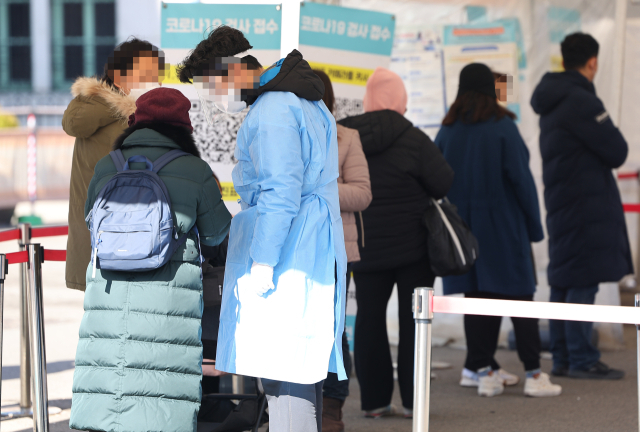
(118, 159)
(169, 156)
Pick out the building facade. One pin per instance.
(46, 44)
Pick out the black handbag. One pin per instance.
(212, 282)
(451, 246)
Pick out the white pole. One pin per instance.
(290, 32)
(40, 20)
(618, 55)
(423, 315)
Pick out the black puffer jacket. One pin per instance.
(580, 145)
(406, 168)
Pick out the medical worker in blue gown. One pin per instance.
(282, 312)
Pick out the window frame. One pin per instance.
(89, 41)
(6, 42)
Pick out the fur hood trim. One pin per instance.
(121, 105)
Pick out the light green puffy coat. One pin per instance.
(139, 358)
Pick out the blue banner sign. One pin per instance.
(346, 29)
(184, 25)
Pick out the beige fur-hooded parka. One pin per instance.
(95, 117)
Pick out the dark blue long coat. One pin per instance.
(496, 195)
(588, 240)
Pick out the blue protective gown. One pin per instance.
(286, 177)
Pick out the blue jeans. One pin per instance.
(571, 340)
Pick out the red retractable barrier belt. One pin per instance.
(55, 255)
(13, 234)
(542, 310)
(624, 176)
(631, 208)
(17, 257)
(49, 231)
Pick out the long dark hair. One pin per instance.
(122, 58)
(328, 98)
(474, 107)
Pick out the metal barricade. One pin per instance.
(425, 304)
(33, 361)
(37, 338)
(25, 358)
(423, 315)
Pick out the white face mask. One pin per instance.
(224, 104)
(144, 87)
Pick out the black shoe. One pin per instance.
(597, 371)
(560, 371)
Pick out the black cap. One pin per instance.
(478, 77)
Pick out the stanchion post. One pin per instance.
(423, 315)
(25, 358)
(3, 272)
(637, 304)
(37, 338)
(237, 384)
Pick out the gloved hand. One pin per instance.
(261, 278)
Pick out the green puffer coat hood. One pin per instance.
(139, 357)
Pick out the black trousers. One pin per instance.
(374, 366)
(482, 334)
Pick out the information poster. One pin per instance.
(347, 44)
(418, 59)
(561, 22)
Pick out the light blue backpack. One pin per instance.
(131, 223)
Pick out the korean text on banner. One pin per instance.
(347, 44)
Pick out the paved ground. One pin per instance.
(584, 406)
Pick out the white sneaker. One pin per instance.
(490, 385)
(541, 387)
(508, 379)
(470, 379)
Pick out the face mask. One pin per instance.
(144, 87)
(230, 107)
(214, 106)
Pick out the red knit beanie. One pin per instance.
(165, 105)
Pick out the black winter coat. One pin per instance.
(406, 168)
(588, 241)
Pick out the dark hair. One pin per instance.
(122, 57)
(474, 107)
(577, 49)
(223, 41)
(328, 98)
